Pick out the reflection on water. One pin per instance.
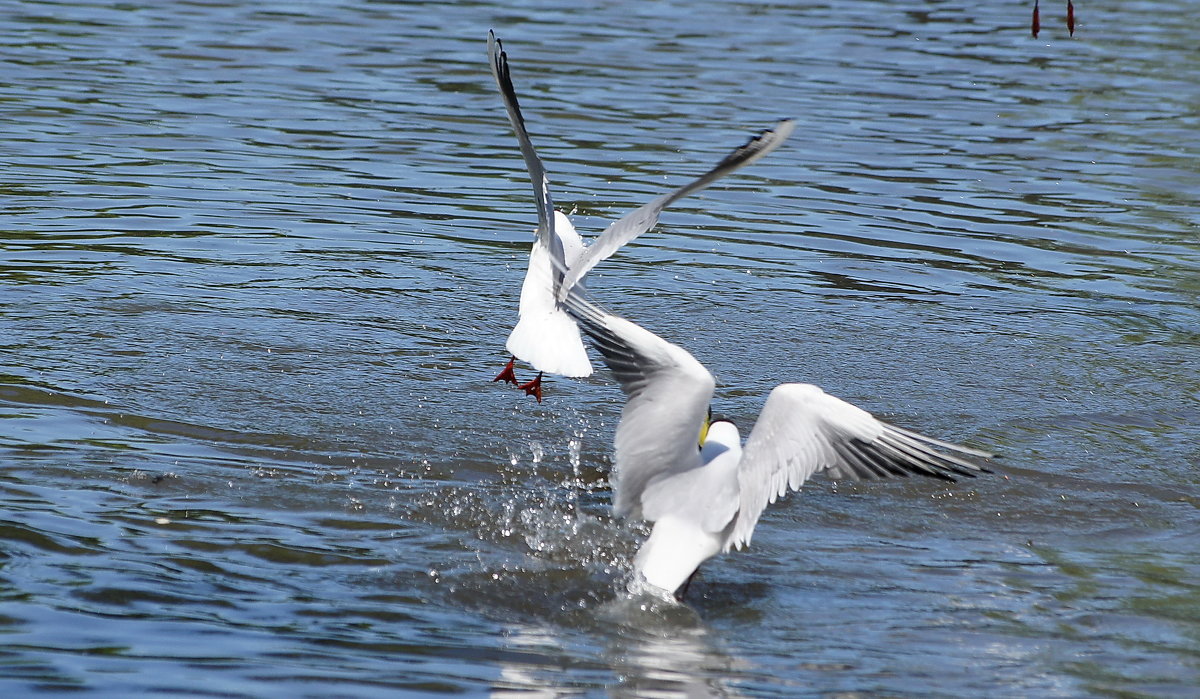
(666, 653)
(654, 649)
(257, 265)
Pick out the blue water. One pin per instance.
(258, 262)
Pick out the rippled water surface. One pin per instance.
(258, 262)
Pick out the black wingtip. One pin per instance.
(759, 144)
(499, 56)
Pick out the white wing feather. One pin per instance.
(537, 171)
(643, 218)
(668, 395)
(802, 430)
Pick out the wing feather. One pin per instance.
(668, 393)
(643, 218)
(802, 431)
(537, 172)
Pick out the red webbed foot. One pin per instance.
(507, 373)
(533, 388)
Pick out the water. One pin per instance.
(259, 261)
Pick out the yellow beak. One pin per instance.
(704, 427)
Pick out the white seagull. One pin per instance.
(707, 500)
(545, 336)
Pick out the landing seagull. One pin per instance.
(545, 336)
(707, 501)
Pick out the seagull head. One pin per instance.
(720, 436)
(718, 428)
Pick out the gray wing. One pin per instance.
(668, 396)
(537, 172)
(802, 430)
(643, 218)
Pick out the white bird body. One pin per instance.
(706, 501)
(559, 259)
(674, 550)
(545, 336)
(683, 539)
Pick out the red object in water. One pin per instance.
(533, 388)
(1036, 26)
(507, 374)
(1071, 17)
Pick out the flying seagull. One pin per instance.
(545, 335)
(707, 500)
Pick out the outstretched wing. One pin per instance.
(643, 218)
(537, 172)
(668, 395)
(803, 430)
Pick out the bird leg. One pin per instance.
(682, 591)
(533, 388)
(507, 374)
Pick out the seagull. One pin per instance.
(545, 336)
(707, 500)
